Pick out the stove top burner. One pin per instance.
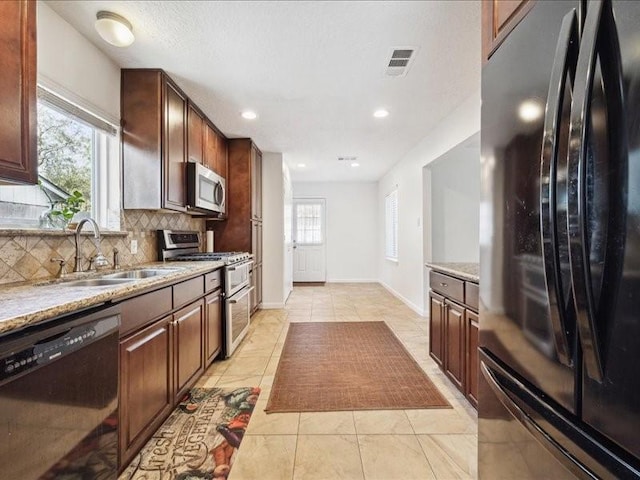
(227, 257)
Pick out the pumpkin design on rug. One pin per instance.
(200, 438)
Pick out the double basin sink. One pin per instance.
(119, 278)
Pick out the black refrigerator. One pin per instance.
(560, 246)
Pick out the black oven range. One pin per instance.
(184, 246)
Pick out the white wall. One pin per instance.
(406, 278)
(276, 231)
(352, 228)
(73, 67)
(454, 194)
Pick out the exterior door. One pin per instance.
(309, 240)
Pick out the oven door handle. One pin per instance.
(246, 292)
(234, 268)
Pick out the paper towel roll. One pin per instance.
(209, 241)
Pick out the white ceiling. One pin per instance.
(313, 71)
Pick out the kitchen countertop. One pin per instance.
(29, 303)
(466, 271)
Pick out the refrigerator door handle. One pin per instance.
(510, 402)
(599, 20)
(563, 65)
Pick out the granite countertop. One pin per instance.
(28, 303)
(466, 271)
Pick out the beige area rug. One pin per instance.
(200, 438)
(331, 366)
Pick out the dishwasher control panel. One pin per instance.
(48, 349)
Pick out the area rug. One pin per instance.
(332, 366)
(200, 438)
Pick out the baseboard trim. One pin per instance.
(271, 306)
(352, 280)
(406, 301)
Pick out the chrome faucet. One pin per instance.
(98, 260)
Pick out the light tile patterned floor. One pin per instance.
(385, 445)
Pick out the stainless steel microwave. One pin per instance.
(205, 189)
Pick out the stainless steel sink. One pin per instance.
(142, 273)
(98, 282)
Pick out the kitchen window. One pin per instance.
(77, 151)
(391, 225)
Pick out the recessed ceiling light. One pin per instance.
(114, 29)
(530, 110)
(380, 113)
(249, 115)
(301, 165)
(355, 164)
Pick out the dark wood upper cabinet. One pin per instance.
(210, 147)
(18, 104)
(222, 155)
(499, 17)
(195, 134)
(154, 142)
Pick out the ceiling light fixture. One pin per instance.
(114, 29)
(249, 115)
(301, 165)
(380, 113)
(355, 164)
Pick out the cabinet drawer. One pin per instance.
(471, 294)
(447, 286)
(188, 291)
(141, 310)
(212, 281)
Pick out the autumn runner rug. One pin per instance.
(200, 438)
(329, 366)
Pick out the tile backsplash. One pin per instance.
(28, 257)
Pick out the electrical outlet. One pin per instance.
(134, 247)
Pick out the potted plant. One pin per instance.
(67, 209)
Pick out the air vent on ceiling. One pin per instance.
(399, 61)
(347, 159)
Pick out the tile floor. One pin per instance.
(385, 445)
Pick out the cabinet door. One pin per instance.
(18, 134)
(256, 183)
(146, 395)
(188, 332)
(436, 328)
(471, 322)
(222, 155)
(174, 154)
(210, 147)
(195, 135)
(454, 343)
(254, 293)
(213, 326)
(499, 17)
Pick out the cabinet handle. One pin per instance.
(442, 284)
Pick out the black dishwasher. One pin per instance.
(59, 398)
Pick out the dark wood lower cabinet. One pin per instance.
(188, 330)
(472, 326)
(436, 328)
(212, 326)
(146, 391)
(455, 344)
(453, 331)
(164, 348)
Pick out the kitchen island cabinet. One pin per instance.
(18, 114)
(453, 326)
